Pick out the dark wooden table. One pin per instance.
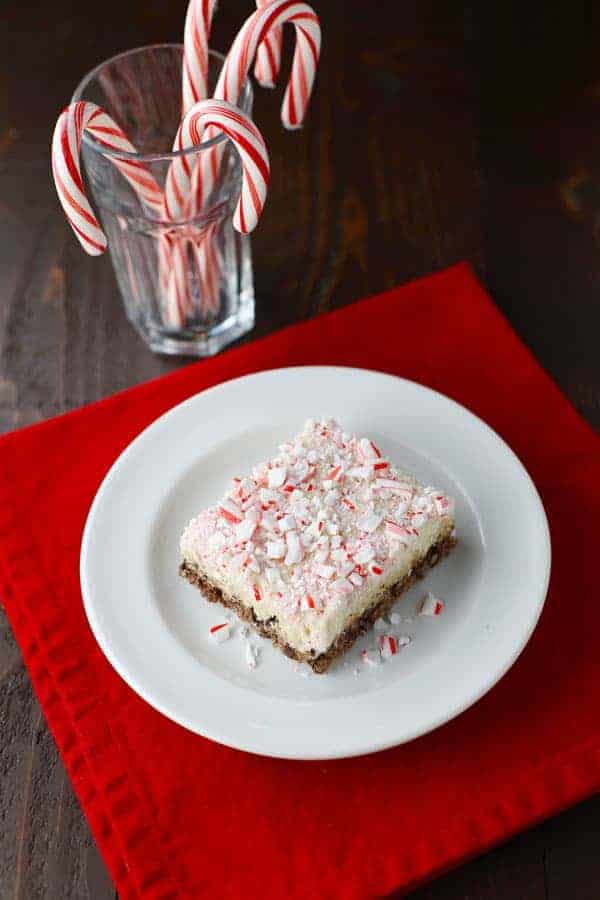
(439, 131)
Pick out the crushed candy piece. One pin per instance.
(369, 523)
(220, 632)
(430, 605)
(252, 654)
(276, 477)
(388, 646)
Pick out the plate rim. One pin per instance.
(369, 745)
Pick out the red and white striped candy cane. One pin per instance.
(66, 169)
(194, 88)
(228, 119)
(209, 265)
(196, 36)
(66, 144)
(268, 19)
(242, 132)
(268, 56)
(109, 135)
(176, 299)
(273, 15)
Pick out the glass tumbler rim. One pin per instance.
(91, 141)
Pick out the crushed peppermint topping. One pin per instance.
(365, 554)
(252, 654)
(276, 477)
(313, 526)
(275, 549)
(369, 523)
(388, 646)
(287, 523)
(359, 472)
(396, 532)
(345, 568)
(230, 511)
(246, 529)
(342, 586)
(394, 487)
(367, 450)
(401, 509)
(294, 548)
(220, 632)
(370, 657)
(430, 605)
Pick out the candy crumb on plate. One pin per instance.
(430, 605)
(252, 654)
(220, 632)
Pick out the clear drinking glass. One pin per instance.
(141, 91)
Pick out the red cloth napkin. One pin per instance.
(177, 816)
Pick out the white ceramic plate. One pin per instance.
(153, 626)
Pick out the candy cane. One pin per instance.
(209, 264)
(177, 300)
(209, 269)
(242, 132)
(268, 56)
(194, 88)
(229, 120)
(109, 135)
(272, 16)
(267, 21)
(195, 51)
(66, 169)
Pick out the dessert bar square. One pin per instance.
(314, 545)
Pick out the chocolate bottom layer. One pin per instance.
(355, 627)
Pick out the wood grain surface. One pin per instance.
(439, 131)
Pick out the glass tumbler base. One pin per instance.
(199, 344)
